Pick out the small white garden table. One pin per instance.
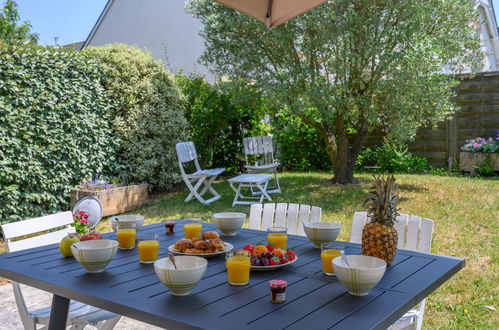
(261, 181)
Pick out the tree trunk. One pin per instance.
(347, 154)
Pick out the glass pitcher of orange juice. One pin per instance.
(126, 234)
(238, 268)
(329, 251)
(193, 228)
(277, 236)
(148, 247)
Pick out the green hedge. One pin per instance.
(147, 113)
(54, 128)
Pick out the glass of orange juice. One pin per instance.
(148, 246)
(277, 236)
(193, 228)
(329, 251)
(126, 235)
(238, 268)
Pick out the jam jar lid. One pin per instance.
(275, 284)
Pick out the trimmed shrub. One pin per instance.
(54, 128)
(221, 115)
(147, 114)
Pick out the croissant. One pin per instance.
(183, 244)
(210, 250)
(218, 244)
(201, 245)
(210, 234)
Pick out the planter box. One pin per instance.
(116, 200)
(468, 160)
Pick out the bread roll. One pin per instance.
(210, 234)
(201, 245)
(183, 244)
(218, 244)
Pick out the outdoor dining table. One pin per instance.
(313, 300)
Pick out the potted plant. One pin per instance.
(115, 198)
(480, 154)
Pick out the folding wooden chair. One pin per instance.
(261, 148)
(80, 314)
(415, 234)
(263, 216)
(186, 152)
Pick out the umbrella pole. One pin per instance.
(268, 20)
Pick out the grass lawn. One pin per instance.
(466, 215)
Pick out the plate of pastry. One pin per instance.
(209, 245)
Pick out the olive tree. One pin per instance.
(349, 67)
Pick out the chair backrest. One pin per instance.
(259, 145)
(186, 152)
(263, 216)
(414, 233)
(13, 232)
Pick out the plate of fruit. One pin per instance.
(267, 257)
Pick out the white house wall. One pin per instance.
(162, 26)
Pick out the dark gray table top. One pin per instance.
(313, 301)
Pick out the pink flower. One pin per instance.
(476, 145)
(84, 221)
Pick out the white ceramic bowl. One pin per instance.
(95, 254)
(136, 219)
(366, 272)
(181, 281)
(229, 222)
(321, 232)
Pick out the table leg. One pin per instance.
(58, 313)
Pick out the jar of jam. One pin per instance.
(169, 225)
(278, 290)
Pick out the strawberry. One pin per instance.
(291, 254)
(275, 261)
(270, 247)
(249, 247)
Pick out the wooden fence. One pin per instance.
(478, 98)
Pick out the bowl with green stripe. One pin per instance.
(364, 274)
(95, 254)
(190, 270)
(319, 232)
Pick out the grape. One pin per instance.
(266, 262)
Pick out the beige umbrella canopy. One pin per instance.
(272, 12)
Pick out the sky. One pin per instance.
(71, 20)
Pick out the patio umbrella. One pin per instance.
(272, 12)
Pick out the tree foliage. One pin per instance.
(349, 67)
(147, 114)
(11, 31)
(220, 115)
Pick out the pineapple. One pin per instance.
(379, 237)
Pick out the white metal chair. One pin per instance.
(80, 314)
(186, 153)
(415, 234)
(263, 216)
(261, 148)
